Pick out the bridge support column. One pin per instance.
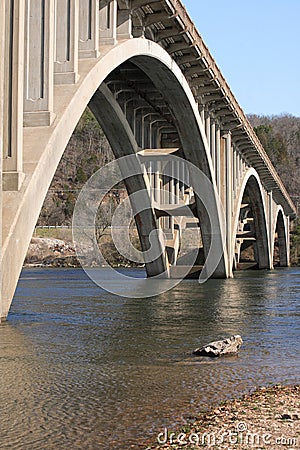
(13, 108)
(156, 182)
(218, 158)
(202, 114)
(146, 131)
(67, 36)
(241, 167)
(88, 29)
(108, 22)
(270, 227)
(207, 129)
(238, 167)
(153, 134)
(39, 70)
(154, 130)
(213, 145)
(124, 24)
(143, 132)
(2, 58)
(137, 125)
(223, 170)
(228, 156)
(234, 172)
(288, 241)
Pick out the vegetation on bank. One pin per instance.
(280, 137)
(88, 150)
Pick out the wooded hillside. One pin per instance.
(280, 137)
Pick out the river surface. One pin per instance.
(84, 369)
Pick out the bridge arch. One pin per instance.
(250, 221)
(280, 237)
(44, 146)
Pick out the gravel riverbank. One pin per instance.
(268, 418)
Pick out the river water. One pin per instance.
(83, 369)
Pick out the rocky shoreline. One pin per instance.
(267, 418)
(58, 253)
(50, 252)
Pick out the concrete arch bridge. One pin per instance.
(145, 72)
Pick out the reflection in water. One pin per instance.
(82, 368)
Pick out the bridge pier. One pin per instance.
(288, 242)
(270, 226)
(228, 204)
(2, 56)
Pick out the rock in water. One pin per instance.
(227, 346)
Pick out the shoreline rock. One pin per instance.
(229, 346)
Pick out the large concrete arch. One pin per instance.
(44, 146)
(252, 182)
(280, 227)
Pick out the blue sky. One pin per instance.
(256, 44)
